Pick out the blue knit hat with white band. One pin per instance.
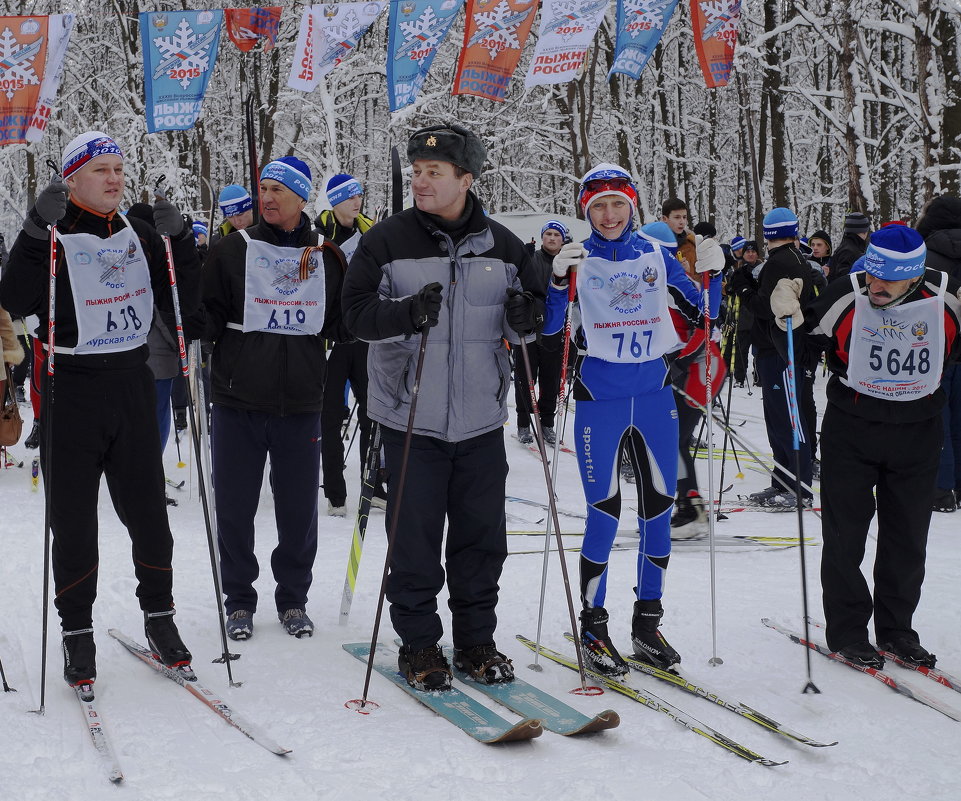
(292, 173)
(895, 253)
(233, 200)
(343, 187)
(556, 225)
(780, 223)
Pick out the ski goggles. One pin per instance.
(607, 185)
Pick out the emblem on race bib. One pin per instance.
(649, 275)
(595, 283)
(286, 276)
(624, 295)
(83, 257)
(114, 262)
(919, 329)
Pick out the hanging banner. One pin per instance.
(416, 29)
(328, 33)
(180, 51)
(716, 24)
(246, 26)
(567, 30)
(494, 36)
(640, 26)
(23, 60)
(59, 28)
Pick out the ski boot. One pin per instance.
(164, 639)
(599, 653)
(79, 657)
(689, 521)
(649, 644)
(485, 664)
(863, 654)
(426, 669)
(910, 650)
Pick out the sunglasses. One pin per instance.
(607, 184)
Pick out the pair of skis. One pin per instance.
(186, 678)
(899, 685)
(658, 704)
(539, 710)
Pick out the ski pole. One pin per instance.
(396, 501)
(226, 656)
(562, 398)
(539, 434)
(708, 417)
(46, 418)
(791, 387)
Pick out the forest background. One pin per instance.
(831, 107)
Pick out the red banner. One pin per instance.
(716, 24)
(246, 25)
(494, 36)
(23, 58)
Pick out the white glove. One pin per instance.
(710, 257)
(568, 258)
(785, 302)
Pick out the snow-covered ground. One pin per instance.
(171, 747)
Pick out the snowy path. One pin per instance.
(170, 747)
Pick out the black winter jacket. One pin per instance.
(275, 373)
(25, 285)
(851, 249)
(944, 252)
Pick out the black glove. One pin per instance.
(167, 218)
(521, 316)
(51, 205)
(742, 282)
(425, 306)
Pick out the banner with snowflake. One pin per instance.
(180, 51)
(328, 33)
(416, 29)
(247, 26)
(23, 57)
(640, 26)
(494, 36)
(567, 30)
(716, 24)
(59, 28)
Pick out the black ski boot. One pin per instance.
(649, 644)
(484, 663)
(689, 521)
(79, 657)
(863, 654)
(164, 639)
(33, 438)
(910, 650)
(426, 670)
(599, 653)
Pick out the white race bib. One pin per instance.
(112, 296)
(351, 245)
(276, 300)
(898, 353)
(624, 308)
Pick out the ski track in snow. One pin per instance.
(171, 747)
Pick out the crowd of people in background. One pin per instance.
(362, 294)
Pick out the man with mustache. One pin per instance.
(888, 332)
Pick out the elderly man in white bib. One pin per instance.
(271, 297)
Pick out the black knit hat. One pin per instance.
(450, 143)
(822, 235)
(856, 223)
(942, 213)
(705, 229)
(751, 244)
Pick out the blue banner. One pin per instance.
(640, 26)
(417, 27)
(180, 51)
